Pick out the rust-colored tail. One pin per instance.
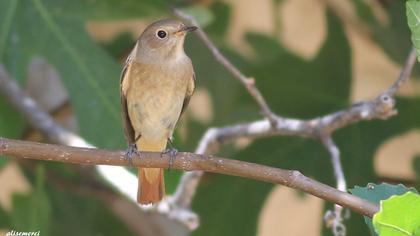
(151, 188)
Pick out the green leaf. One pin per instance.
(83, 214)
(119, 46)
(32, 212)
(375, 193)
(220, 25)
(413, 19)
(4, 219)
(73, 209)
(116, 9)
(3, 161)
(11, 123)
(56, 30)
(106, 10)
(399, 216)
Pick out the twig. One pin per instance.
(248, 82)
(381, 107)
(187, 162)
(404, 74)
(336, 218)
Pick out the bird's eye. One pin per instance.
(161, 34)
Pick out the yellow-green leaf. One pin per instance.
(413, 19)
(399, 216)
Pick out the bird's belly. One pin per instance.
(155, 112)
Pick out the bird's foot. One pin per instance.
(172, 156)
(130, 152)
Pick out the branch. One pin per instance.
(335, 219)
(404, 74)
(248, 82)
(381, 107)
(186, 162)
(126, 183)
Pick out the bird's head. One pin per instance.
(164, 39)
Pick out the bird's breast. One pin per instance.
(155, 99)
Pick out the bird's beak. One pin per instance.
(188, 28)
(185, 29)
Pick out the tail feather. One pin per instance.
(151, 185)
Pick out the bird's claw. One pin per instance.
(172, 155)
(130, 152)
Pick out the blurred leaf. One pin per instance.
(416, 167)
(73, 209)
(120, 45)
(219, 26)
(3, 161)
(32, 212)
(6, 22)
(413, 19)
(84, 215)
(266, 48)
(399, 216)
(393, 37)
(203, 15)
(57, 32)
(116, 9)
(364, 11)
(4, 219)
(106, 9)
(375, 193)
(11, 123)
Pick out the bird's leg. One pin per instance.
(131, 150)
(171, 151)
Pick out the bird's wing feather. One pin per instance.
(128, 128)
(189, 93)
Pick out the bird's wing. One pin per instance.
(189, 93)
(128, 128)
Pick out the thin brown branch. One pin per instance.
(404, 74)
(187, 162)
(42, 121)
(249, 83)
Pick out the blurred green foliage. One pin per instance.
(32, 212)
(393, 36)
(293, 86)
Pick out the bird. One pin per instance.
(156, 85)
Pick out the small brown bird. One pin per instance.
(156, 85)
